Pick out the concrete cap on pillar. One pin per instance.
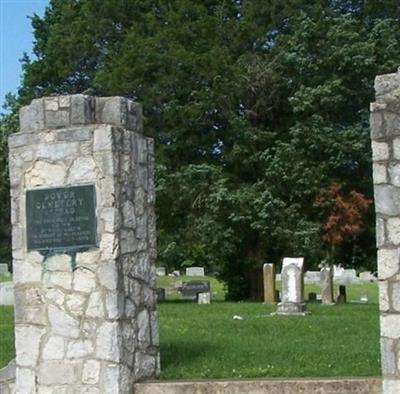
(79, 109)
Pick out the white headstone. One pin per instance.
(161, 271)
(337, 270)
(292, 287)
(7, 293)
(364, 298)
(312, 277)
(350, 273)
(367, 277)
(3, 268)
(204, 298)
(344, 276)
(195, 271)
(327, 285)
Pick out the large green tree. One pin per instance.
(257, 107)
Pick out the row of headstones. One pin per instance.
(191, 271)
(192, 290)
(200, 290)
(292, 276)
(340, 276)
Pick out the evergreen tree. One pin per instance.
(257, 108)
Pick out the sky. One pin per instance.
(16, 37)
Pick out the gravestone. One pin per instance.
(350, 275)
(364, 298)
(4, 268)
(312, 277)
(161, 271)
(7, 293)
(312, 297)
(337, 271)
(269, 284)
(195, 271)
(367, 276)
(385, 136)
(342, 295)
(160, 294)
(204, 298)
(191, 289)
(292, 287)
(176, 284)
(346, 276)
(83, 244)
(327, 286)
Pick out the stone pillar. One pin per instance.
(385, 136)
(292, 287)
(83, 242)
(269, 284)
(327, 286)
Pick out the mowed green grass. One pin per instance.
(204, 341)
(5, 278)
(7, 351)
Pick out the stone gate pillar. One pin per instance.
(385, 136)
(83, 240)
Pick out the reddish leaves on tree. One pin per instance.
(345, 214)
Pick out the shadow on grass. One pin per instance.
(179, 301)
(184, 352)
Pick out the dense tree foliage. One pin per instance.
(344, 216)
(257, 107)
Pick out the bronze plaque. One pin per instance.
(62, 218)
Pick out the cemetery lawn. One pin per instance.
(7, 351)
(5, 278)
(203, 341)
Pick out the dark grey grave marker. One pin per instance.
(312, 297)
(342, 295)
(191, 289)
(160, 291)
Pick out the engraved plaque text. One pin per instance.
(61, 218)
